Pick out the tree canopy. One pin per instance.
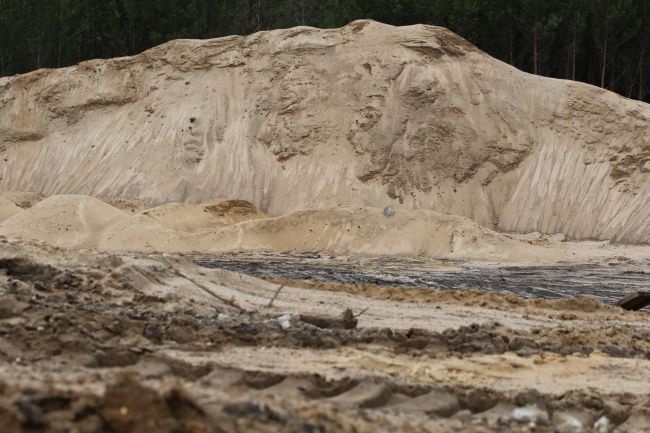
(602, 42)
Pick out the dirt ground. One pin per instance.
(98, 342)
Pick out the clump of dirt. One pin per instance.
(129, 204)
(129, 406)
(232, 207)
(23, 200)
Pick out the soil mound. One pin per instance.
(366, 231)
(233, 211)
(65, 220)
(23, 199)
(132, 205)
(361, 116)
(332, 231)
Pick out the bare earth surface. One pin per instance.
(94, 341)
(357, 230)
(608, 279)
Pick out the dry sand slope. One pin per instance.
(219, 226)
(360, 116)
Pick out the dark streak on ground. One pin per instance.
(607, 283)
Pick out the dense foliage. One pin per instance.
(603, 42)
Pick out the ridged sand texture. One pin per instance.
(365, 115)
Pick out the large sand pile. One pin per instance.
(360, 116)
(233, 226)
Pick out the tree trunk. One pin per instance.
(642, 75)
(604, 68)
(573, 51)
(535, 64)
(60, 39)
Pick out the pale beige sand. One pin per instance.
(546, 373)
(231, 225)
(361, 116)
(8, 209)
(65, 220)
(22, 199)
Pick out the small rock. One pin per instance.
(221, 317)
(615, 412)
(389, 212)
(645, 168)
(504, 420)
(569, 424)
(464, 415)
(285, 321)
(530, 414)
(153, 333)
(10, 307)
(602, 425)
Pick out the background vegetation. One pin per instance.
(602, 42)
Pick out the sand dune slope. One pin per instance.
(8, 209)
(361, 116)
(176, 227)
(335, 231)
(220, 226)
(66, 220)
(22, 199)
(366, 231)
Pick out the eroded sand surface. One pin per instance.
(133, 342)
(361, 116)
(221, 226)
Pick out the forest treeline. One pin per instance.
(602, 42)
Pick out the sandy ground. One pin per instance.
(128, 342)
(219, 226)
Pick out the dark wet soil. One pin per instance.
(608, 283)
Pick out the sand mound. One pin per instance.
(340, 231)
(78, 221)
(232, 211)
(207, 216)
(177, 227)
(65, 220)
(22, 199)
(366, 231)
(128, 204)
(8, 209)
(365, 115)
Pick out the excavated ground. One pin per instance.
(94, 342)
